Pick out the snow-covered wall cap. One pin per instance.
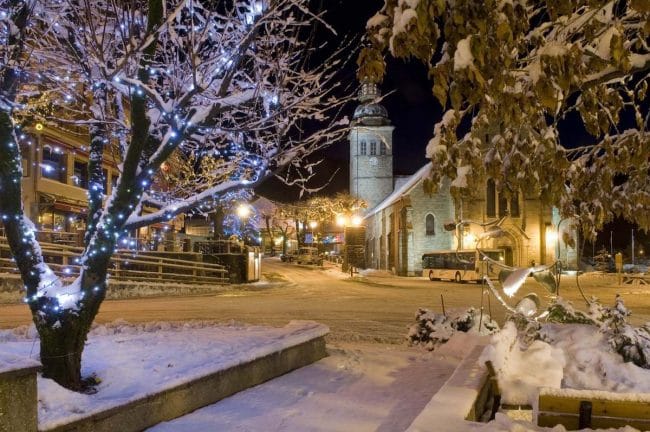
(595, 394)
(10, 363)
(405, 188)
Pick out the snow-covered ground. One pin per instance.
(359, 387)
(132, 361)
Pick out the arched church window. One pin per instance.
(382, 148)
(514, 206)
(503, 205)
(362, 148)
(373, 148)
(490, 199)
(430, 225)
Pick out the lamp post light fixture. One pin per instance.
(243, 211)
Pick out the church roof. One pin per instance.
(402, 190)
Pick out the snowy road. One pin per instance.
(374, 308)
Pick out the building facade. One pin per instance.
(404, 222)
(55, 187)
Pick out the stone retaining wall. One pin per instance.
(183, 399)
(18, 400)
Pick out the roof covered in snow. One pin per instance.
(402, 189)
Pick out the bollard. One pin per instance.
(584, 419)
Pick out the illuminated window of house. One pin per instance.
(362, 148)
(490, 199)
(53, 163)
(25, 154)
(80, 175)
(373, 148)
(430, 224)
(113, 180)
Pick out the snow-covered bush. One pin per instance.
(632, 343)
(432, 330)
(562, 311)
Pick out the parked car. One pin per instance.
(309, 255)
(288, 257)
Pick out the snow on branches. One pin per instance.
(223, 92)
(191, 101)
(547, 97)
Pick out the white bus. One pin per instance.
(463, 265)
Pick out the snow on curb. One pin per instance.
(455, 400)
(11, 363)
(165, 363)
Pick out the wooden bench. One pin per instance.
(577, 409)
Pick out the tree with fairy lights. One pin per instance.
(226, 88)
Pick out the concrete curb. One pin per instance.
(457, 400)
(183, 399)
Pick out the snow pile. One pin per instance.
(520, 369)
(594, 364)
(503, 423)
(432, 330)
(597, 350)
(132, 361)
(632, 343)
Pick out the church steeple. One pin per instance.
(370, 112)
(371, 148)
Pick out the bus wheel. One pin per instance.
(431, 278)
(457, 278)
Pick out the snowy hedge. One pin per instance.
(432, 329)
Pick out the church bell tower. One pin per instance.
(371, 149)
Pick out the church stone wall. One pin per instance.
(371, 176)
(442, 207)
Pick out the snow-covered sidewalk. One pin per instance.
(359, 387)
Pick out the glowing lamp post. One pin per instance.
(243, 212)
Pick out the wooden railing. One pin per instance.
(128, 265)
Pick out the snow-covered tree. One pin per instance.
(226, 88)
(520, 81)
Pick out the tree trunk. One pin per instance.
(63, 332)
(62, 345)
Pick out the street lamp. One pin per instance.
(243, 212)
